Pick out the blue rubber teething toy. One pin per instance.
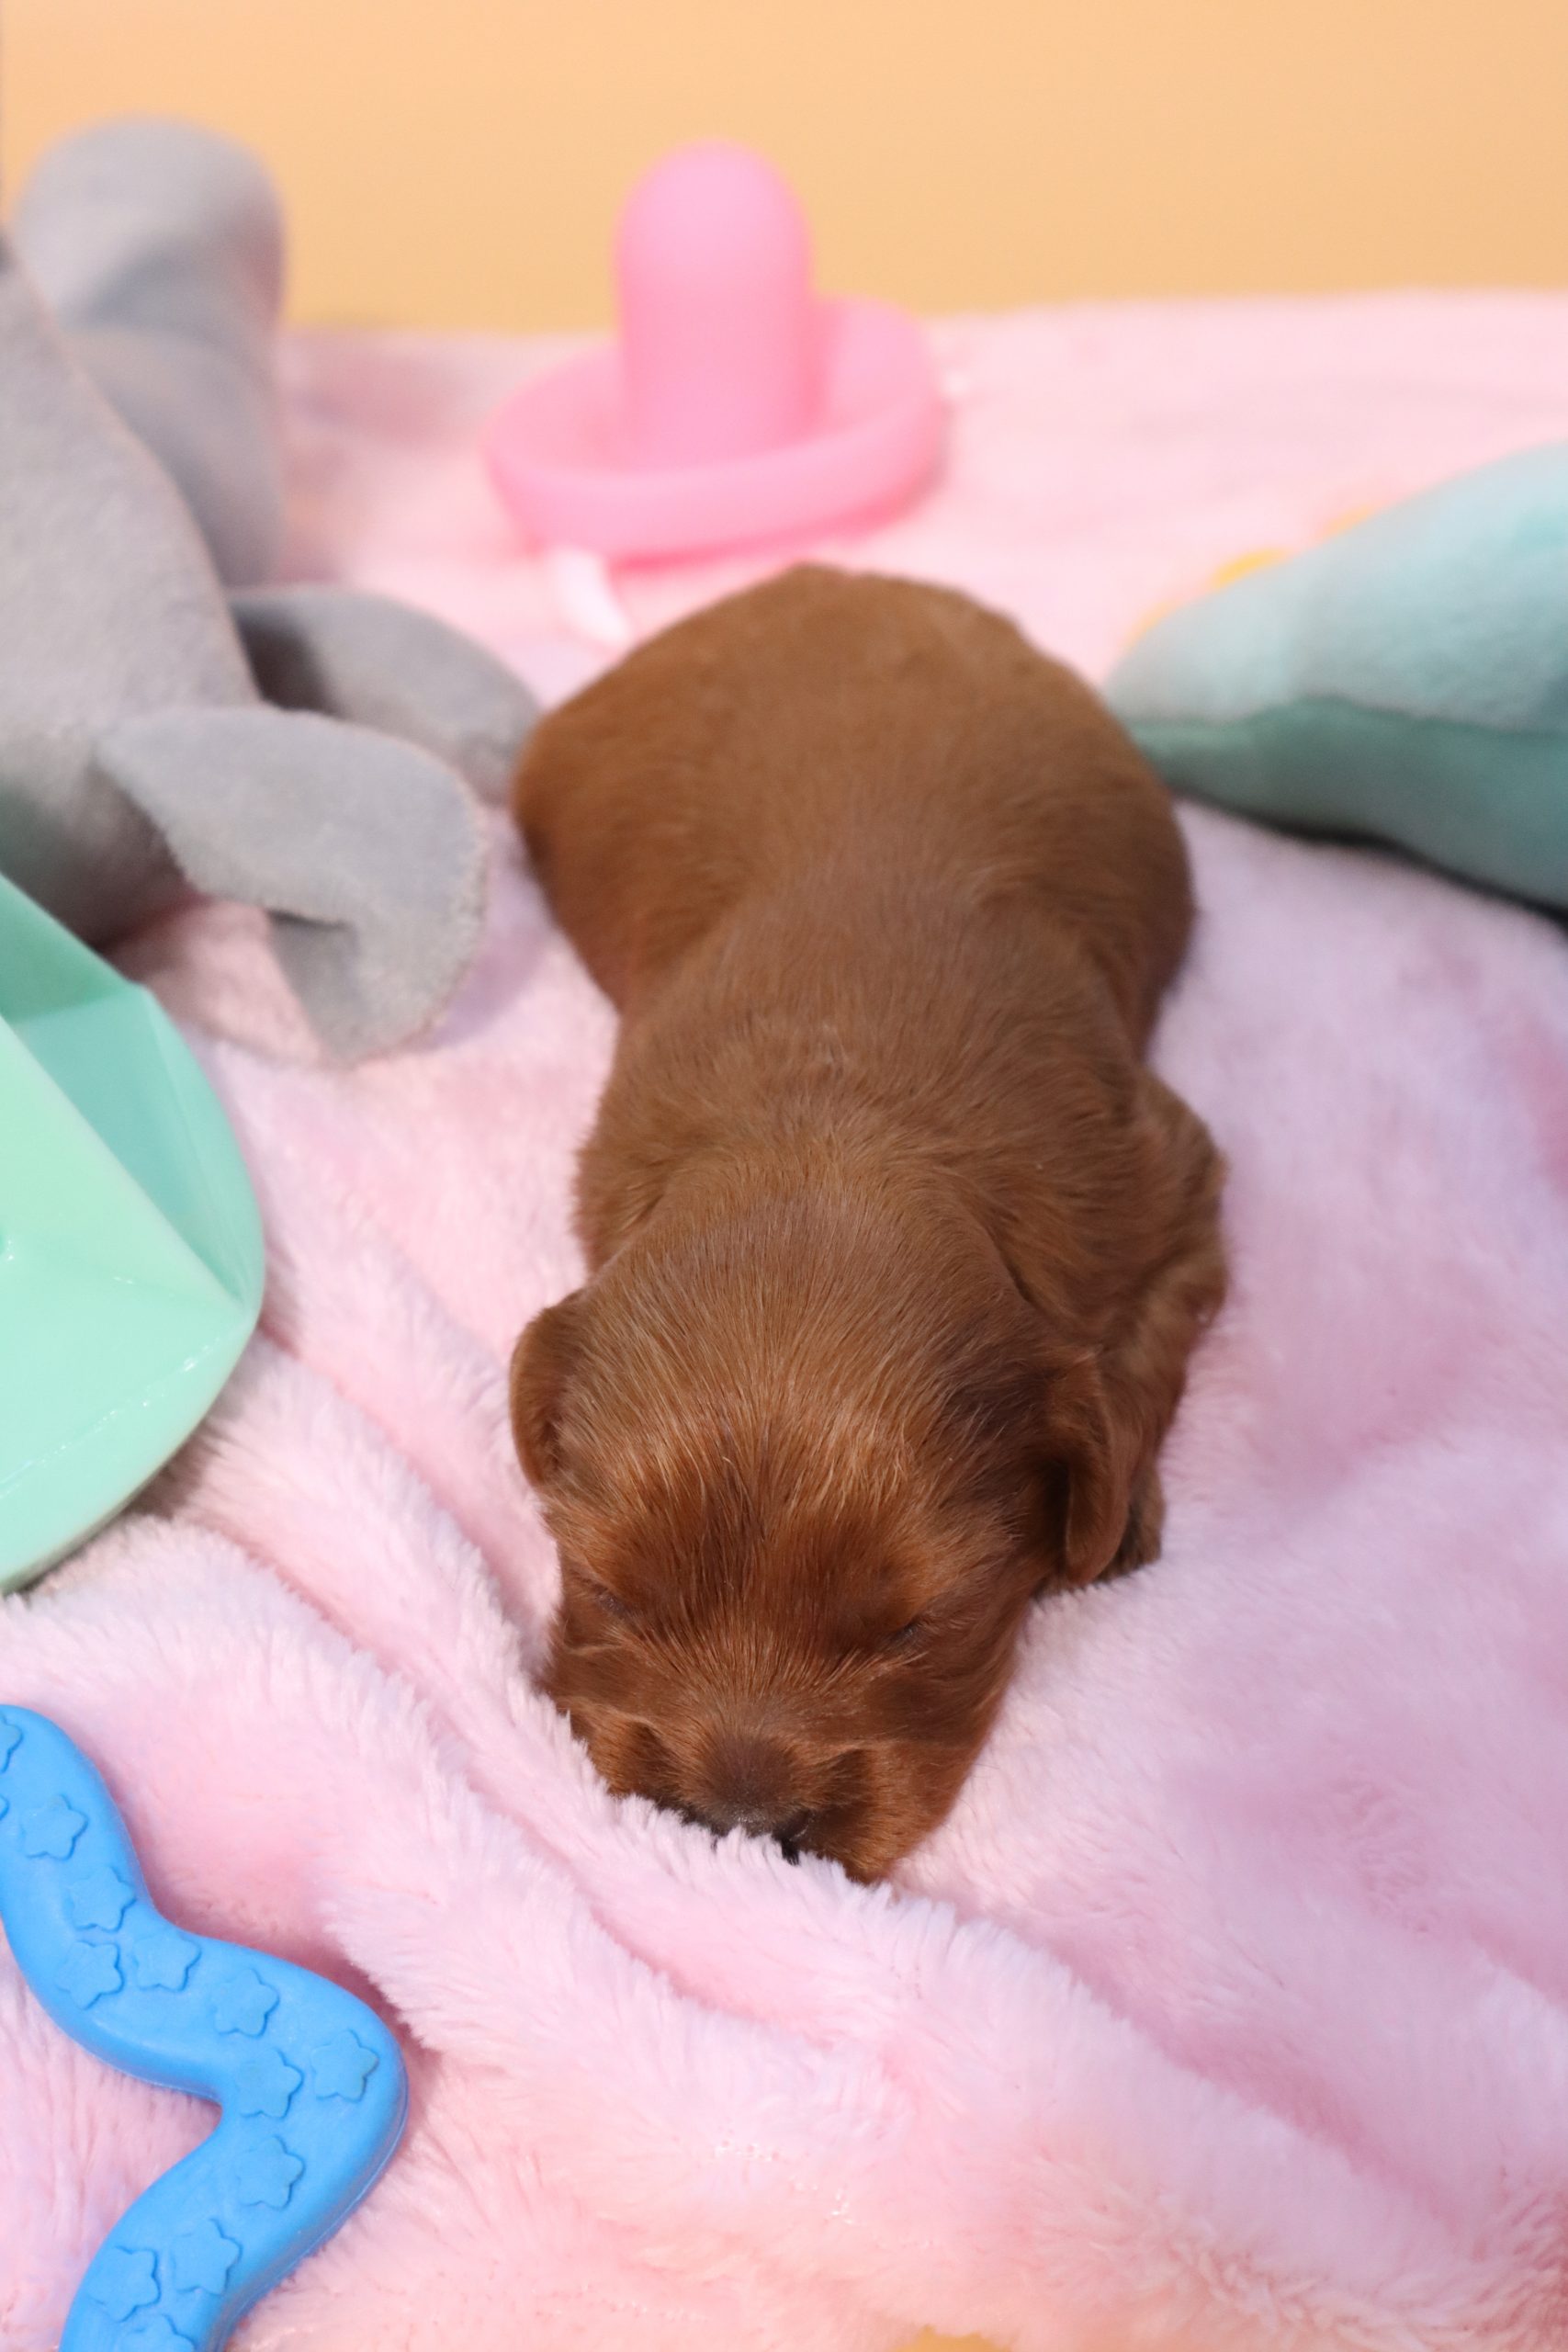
(311, 2084)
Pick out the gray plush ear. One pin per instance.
(368, 854)
(383, 664)
(158, 245)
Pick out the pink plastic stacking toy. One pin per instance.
(738, 404)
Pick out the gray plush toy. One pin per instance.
(311, 750)
(158, 248)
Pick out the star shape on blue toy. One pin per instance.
(242, 2004)
(340, 2068)
(265, 2174)
(153, 2336)
(202, 2259)
(266, 2084)
(161, 1960)
(89, 1972)
(123, 2282)
(100, 1900)
(53, 1829)
(10, 1740)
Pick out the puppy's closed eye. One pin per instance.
(608, 1601)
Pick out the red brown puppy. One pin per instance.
(897, 1249)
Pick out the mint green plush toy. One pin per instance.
(130, 1251)
(1405, 681)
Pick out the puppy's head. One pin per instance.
(805, 1464)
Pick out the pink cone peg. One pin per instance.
(735, 404)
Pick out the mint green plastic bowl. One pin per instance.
(130, 1249)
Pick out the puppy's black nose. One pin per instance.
(757, 1821)
(748, 1787)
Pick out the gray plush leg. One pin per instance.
(383, 664)
(158, 248)
(368, 852)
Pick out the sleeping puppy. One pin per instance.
(897, 1251)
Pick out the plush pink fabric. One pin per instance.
(1230, 2009)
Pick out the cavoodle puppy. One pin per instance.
(897, 1250)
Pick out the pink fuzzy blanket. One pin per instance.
(1230, 2008)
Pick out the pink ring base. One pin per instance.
(557, 452)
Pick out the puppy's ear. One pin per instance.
(541, 1366)
(1092, 1457)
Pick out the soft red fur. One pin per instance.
(897, 1250)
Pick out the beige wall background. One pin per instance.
(458, 163)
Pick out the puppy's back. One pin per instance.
(832, 722)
